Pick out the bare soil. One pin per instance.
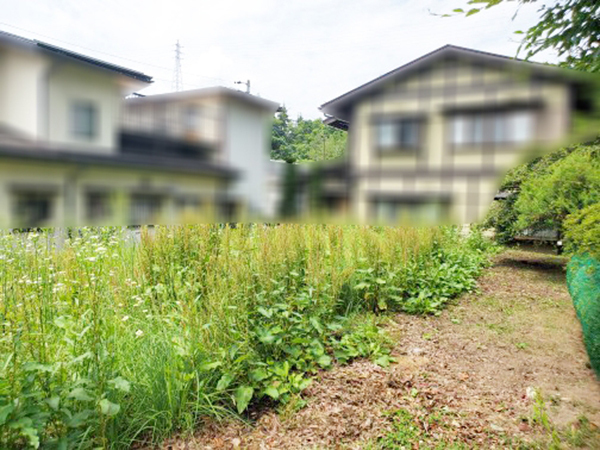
(465, 377)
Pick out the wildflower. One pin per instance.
(125, 319)
(139, 333)
(91, 259)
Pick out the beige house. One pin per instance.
(74, 152)
(429, 141)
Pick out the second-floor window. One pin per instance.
(501, 127)
(84, 119)
(398, 134)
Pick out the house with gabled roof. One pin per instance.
(429, 141)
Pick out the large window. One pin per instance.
(398, 134)
(84, 120)
(501, 127)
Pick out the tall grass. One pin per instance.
(107, 340)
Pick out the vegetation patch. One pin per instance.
(111, 340)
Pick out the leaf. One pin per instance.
(458, 10)
(259, 374)
(324, 361)
(108, 408)
(5, 411)
(272, 392)
(208, 366)
(243, 395)
(80, 394)
(224, 382)
(53, 402)
(383, 361)
(80, 418)
(360, 286)
(120, 384)
(472, 11)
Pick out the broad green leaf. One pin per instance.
(80, 394)
(224, 382)
(259, 374)
(243, 395)
(5, 411)
(472, 11)
(120, 384)
(53, 402)
(80, 418)
(108, 408)
(324, 361)
(208, 366)
(272, 392)
(458, 10)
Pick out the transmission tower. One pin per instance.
(178, 75)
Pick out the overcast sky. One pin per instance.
(300, 53)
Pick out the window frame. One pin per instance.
(399, 124)
(94, 119)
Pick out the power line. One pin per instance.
(113, 55)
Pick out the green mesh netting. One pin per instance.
(583, 281)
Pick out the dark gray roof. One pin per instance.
(134, 161)
(62, 52)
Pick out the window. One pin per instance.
(32, 209)
(84, 120)
(424, 211)
(145, 208)
(501, 127)
(192, 117)
(98, 206)
(400, 134)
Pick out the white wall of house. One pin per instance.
(247, 146)
(69, 83)
(22, 88)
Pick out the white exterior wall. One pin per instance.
(247, 144)
(69, 83)
(22, 88)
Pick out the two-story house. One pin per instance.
(233, 128)
(430, 140)
(73, 151)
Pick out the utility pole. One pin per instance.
(247, 83)
(178, 75)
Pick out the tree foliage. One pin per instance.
(305, 140)
(571, 27)
(544, 192)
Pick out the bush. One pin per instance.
(543, 191)
(568, 186)
(582, 231)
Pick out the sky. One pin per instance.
(299, 53)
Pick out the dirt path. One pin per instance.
(464, 379)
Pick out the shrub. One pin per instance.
(582, 231)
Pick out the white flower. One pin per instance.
(125, 319)
(139, 333)
(91, 259)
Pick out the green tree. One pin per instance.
(571, 27)
(305, 140)
(565, 187)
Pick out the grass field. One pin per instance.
(109, 341)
